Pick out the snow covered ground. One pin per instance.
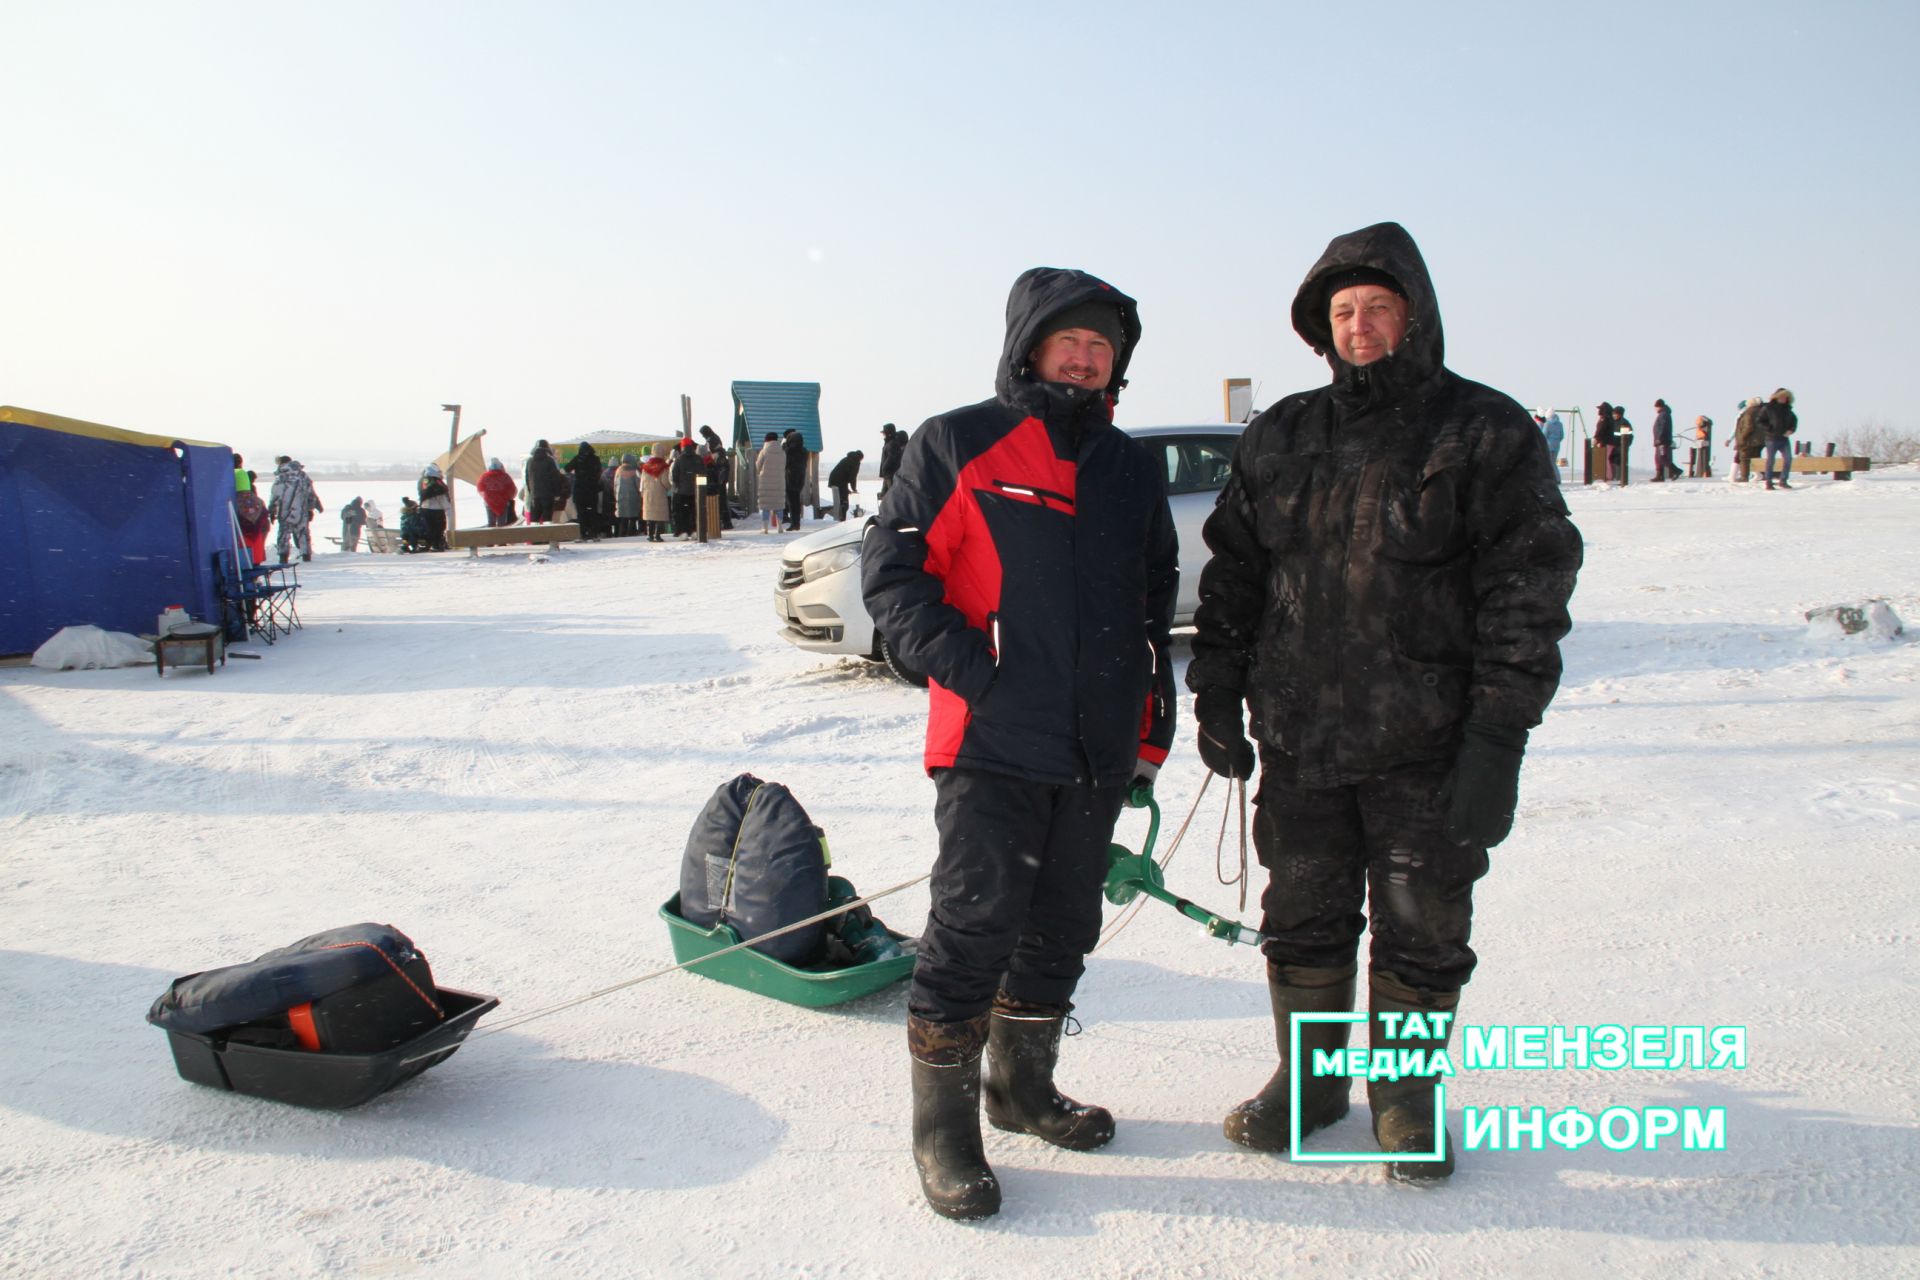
(1719, 827)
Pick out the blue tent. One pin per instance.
(760, 407)
(104, 526)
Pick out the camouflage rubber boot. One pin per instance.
(1023, 1046)
(1403, 1109)
(946, 1117)
(1265, 1121)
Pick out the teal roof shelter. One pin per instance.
(760, 407)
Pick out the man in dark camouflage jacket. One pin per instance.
(1391, 567)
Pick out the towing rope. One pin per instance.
(533, 1014)
(1231, 931)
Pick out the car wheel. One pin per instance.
(889, 656)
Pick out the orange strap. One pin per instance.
(300, 1018)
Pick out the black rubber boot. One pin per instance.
(1264, 1121)
(1023, 1046)
(946, 1117)
(1403, 1109)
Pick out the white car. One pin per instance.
(818, 601)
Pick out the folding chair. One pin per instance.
(256, 600)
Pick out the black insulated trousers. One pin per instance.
(1378, 842)
(1016, 891)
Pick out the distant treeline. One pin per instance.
(360, 471)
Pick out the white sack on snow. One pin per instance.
(87, 647)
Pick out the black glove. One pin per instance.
(1484, 788)
(1223, 743)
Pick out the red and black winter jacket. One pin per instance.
(1025, 559)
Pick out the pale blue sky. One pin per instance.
(303, 226)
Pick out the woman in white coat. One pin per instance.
(769, 481)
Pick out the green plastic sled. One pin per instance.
(751, 971)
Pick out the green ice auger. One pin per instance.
(1131, 874)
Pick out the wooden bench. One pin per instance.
(512, 535)
(1841, 468)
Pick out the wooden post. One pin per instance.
(453, 442)
(699, 508)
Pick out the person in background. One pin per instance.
(656, 494)
(626, 496)
(375, 518)
(435, 505)
(294, 504)
(1663, 468)
(1623, 437)
(352, 517)
(769, 480)
(1555, 432)
(413, 527)
(242, 478)
(1748, 439)
(893, 445)
(1777, 423)
(1702, 448)
(254, 521)
(720, 475)
(1607, 436)
(1391, 565)
(584, 469)
(843, 480)
(684, 467)
(545, 484)
(795, 447)
(497, 491)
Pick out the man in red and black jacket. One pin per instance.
(1025, 559)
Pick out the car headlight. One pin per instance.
(822, 563)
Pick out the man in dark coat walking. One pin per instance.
(1025, 559)
(1663, 468)
(1391, 566)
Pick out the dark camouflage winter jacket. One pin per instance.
(1391, 554)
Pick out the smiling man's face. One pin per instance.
(1077, 357)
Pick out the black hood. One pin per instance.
(1385, 247)
(1039, 295)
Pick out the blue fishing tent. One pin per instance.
(104, 526)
